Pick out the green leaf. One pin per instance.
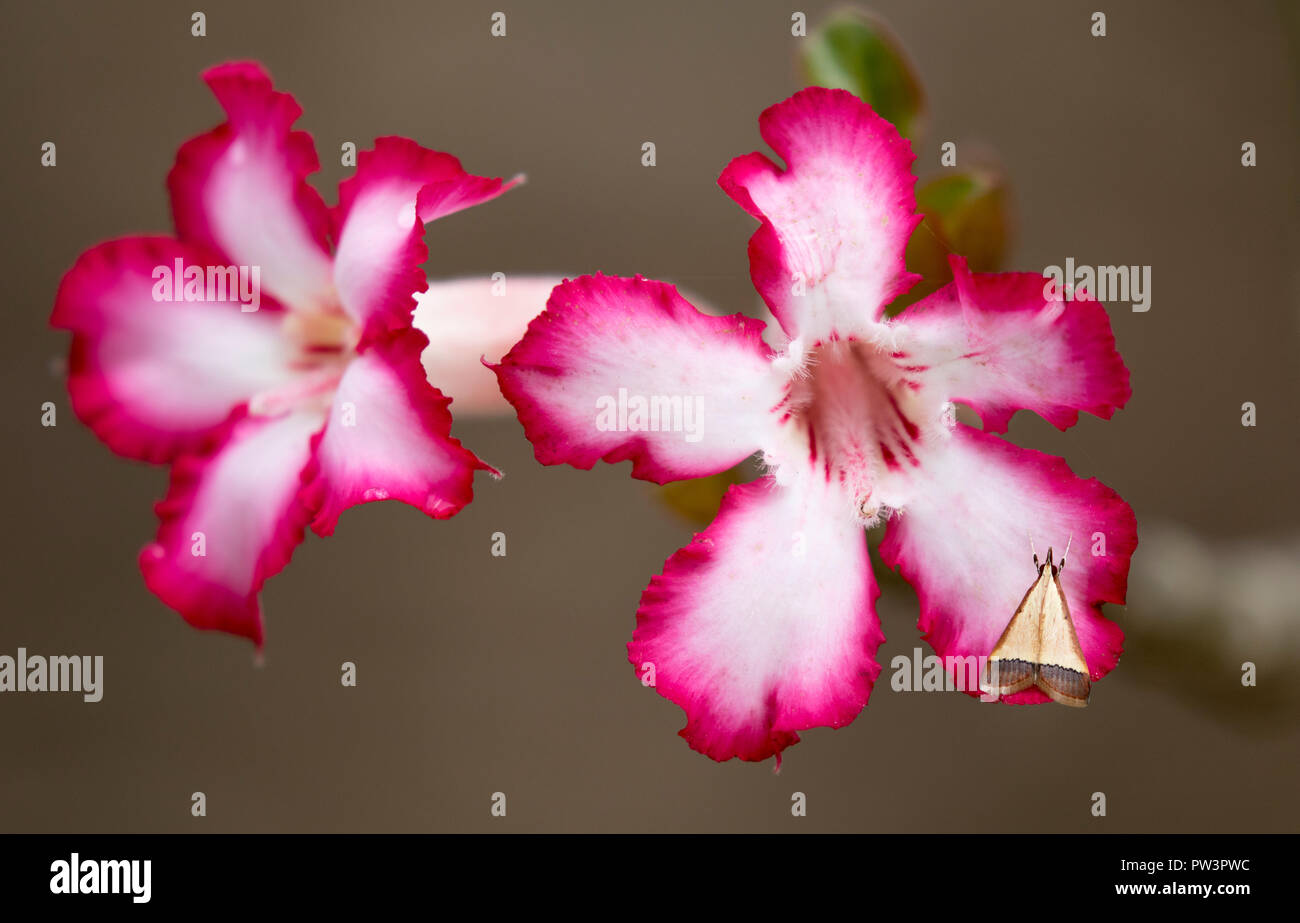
(966, 212)
(854, 50)
(697, 500)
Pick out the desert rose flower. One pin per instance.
(267, 351)
(765, 624)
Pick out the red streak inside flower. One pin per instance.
(317, 385)
(858, 410)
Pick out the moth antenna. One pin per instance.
(1061, 566)
(1033, 552)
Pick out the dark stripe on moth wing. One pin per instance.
(1012, 675)
(1068, 687)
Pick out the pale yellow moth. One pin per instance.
(1040, 646)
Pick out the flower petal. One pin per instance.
(230, 521)
(765, 624)
(155, 378)
(836, 222)
(998, 343)
(963, 542)
(241, 189)
(397, 189)
(388, 438)
(467, 322)
(607, 351)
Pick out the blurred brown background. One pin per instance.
(480, 674)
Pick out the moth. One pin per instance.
(1040, 646)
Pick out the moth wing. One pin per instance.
(1013, 665)
(1063, 670)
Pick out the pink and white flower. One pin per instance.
(765, 624)
(280, 417)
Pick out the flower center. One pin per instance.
(321, 343)
(320, 332)
(860, 415)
